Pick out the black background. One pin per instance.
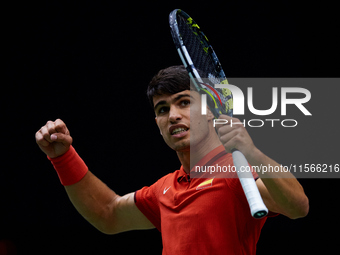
(89, 63)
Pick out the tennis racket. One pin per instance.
(201, 62)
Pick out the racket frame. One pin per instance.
(257, 207)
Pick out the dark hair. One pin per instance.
(170, 81)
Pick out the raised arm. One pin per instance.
(96, 202)
(281, 192)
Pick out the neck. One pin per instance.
(184, 157)
(190, 157)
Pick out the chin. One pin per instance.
(181, 146)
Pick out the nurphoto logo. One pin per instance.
(300, 97)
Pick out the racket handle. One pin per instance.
(257, 207)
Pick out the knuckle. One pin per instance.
(238, 128)
(49, 122)
(38, 135)
(220, 132)
(59, 122)
(43, 130)
(237, 138)
(223, 130)
(50, 126)
(224, 116)
(46, 136)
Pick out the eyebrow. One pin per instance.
(175, 99)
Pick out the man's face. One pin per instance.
(173, 114)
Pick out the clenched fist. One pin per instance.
(54, 138)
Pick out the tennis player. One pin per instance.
(194, 215)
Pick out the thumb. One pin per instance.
(61, 138)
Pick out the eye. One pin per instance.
(185, 102)
(162, 110)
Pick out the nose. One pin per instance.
(174, 114)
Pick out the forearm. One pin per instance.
(286, 194)
(281, 192)
(93, 200)
(96, 202)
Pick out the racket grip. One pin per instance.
(257, 208)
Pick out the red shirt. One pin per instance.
(201, 215)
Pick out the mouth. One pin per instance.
(178, 130)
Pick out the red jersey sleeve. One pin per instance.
(147, 202)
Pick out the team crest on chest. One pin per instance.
(205, 184)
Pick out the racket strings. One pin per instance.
(195, 47)
(199, 51)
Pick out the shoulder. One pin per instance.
(169, 177)
(155, 187)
